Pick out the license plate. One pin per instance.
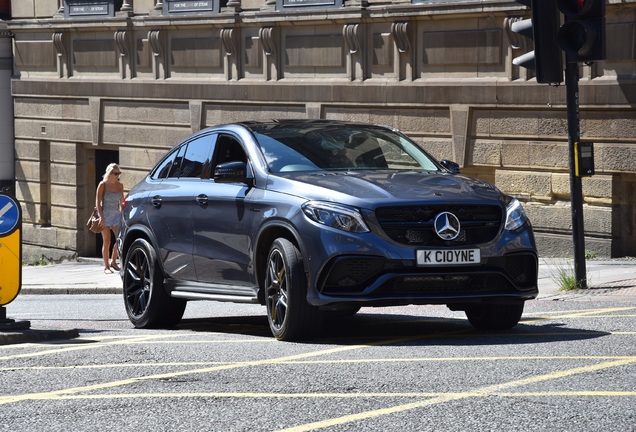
(448, 257)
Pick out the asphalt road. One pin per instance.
(568, 366)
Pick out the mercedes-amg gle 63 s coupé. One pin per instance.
(317, 218)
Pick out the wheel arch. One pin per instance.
(265, 238)
(136, 232)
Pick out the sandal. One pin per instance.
(114, 266)
(108, 271)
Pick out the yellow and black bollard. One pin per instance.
(10, 259)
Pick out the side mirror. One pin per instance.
(450, 166)
(232, 172)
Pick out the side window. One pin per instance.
(176, 163)
(197, 157)
(163, 169)
(228, 149)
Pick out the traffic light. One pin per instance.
(542, 28)
(582, 36)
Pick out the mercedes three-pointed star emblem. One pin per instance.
(447, 226)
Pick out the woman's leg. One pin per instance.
(105, 247)
(113, 259)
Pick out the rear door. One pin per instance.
(171, 203)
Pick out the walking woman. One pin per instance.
(108, 200)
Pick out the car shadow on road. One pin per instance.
(388, 329)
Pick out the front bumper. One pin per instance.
(369, 270)
(376, 281)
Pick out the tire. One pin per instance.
(147, 303)
(289, 314)
(495, 316)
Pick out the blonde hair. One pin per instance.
(109, 169)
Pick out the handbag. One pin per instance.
(93, 222)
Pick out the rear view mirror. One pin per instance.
(450, 166)
(231, 172)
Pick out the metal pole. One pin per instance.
(576, 189)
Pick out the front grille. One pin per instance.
(447, 284)
(351, 275)
(414, 225)
(522, 269)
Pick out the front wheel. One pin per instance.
(495, 316)
(147, 303)
(289, 314)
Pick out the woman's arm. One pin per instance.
(121, 195)
(99, 197)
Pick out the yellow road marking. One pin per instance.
(578, 312)
(373, 395)
(69, 348)
(57, 393)
(593, 312)
(480, 392)
(334, 361)
(573, 393)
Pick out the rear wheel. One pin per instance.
(147, 303)
(495, 316)
(289, 314)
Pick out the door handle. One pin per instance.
(156, 201)
(202, 200)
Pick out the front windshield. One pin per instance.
(313, 147)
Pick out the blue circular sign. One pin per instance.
(9, 215)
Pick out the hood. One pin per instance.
(374, 187)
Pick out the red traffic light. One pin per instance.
(572, 8)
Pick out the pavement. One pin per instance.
(608, 279)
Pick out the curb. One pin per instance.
(33, 336)
(35, 290)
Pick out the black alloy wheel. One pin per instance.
(147, 303)
(289, 314)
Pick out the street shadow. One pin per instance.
(402, 330)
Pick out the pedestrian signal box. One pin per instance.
(584, 163)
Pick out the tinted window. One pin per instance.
(228, 149)
(338, 147)
(163, 169)
(176, 163)
(196, 158)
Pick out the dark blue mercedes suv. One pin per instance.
(317, 218)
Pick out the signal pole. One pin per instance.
(576, 188)
(582, 38)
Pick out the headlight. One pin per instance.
(335, 216)
(515, 216)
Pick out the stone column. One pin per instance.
(352, 36)
(62, 58)
(230, 64)
(125, 64)
(404, 55)
(155, 38)
(233, 5)
(60, 9)
(268, 39)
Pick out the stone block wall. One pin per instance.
(140, 82)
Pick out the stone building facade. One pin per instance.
(89, 90)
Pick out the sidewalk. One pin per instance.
(86, 276)
(606, 278)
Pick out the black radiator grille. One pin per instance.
(414, 225)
